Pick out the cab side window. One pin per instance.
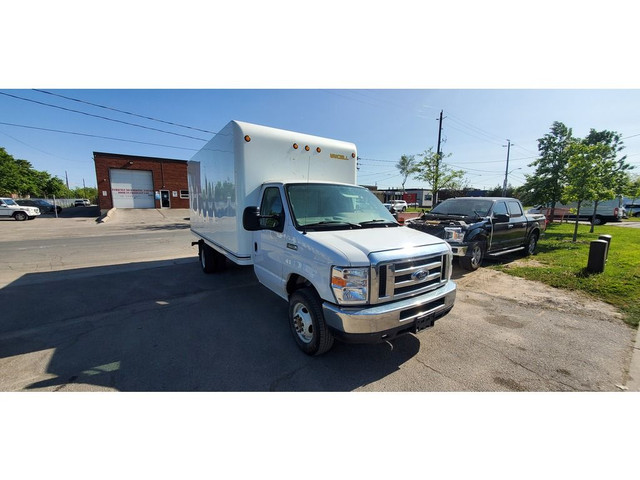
(514, 209)
(272, 205)
(500, 209)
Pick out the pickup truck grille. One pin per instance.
(406, 278)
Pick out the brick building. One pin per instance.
(131, 181)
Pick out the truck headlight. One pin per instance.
(453, 234)
(350, 285)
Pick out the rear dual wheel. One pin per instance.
(211, 261)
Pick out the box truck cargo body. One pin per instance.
(288, 204)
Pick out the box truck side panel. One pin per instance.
(213, 194)
(226, 175)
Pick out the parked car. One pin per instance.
(43, 205)
(399, 205)
(632, 209)
(9, 208)
(82, 203)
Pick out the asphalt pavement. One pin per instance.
(124, 306)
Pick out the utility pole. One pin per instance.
(438, 157)
(66, 178)
(506, 172)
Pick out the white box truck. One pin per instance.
(288, 204)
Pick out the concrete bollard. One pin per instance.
(607, 238)
(597, 256)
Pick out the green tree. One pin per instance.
(586, 167)
(614, 173)
(545, 186)
(432, 170)
(632, 189)
(406, 167)
(19, 177)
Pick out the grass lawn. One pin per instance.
(562, 263)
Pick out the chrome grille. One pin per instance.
(408, 277)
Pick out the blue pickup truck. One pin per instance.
(476, 227)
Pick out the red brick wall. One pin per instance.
(168, 174)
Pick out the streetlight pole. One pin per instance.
(506, 171)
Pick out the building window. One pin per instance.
(184, 193)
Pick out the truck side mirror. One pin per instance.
(251, 219)
(501, 218)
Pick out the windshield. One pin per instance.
(332, 205)
(467, 207)
(8, 201)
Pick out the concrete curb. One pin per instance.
(633, 382)
(107, 216)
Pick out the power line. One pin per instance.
(95, 136)
(123, 111)
(101, 117)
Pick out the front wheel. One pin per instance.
(307, 324)
(473, 259)
(20, 216)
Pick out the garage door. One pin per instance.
(132, 188)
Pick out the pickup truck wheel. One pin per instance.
(210, 260)
(532, 243)
(307, 324)
(474, 257)
(20, 216)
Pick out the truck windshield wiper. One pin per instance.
(331, 223)
(377, 221)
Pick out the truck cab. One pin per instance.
(352, 271)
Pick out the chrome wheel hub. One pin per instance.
(302, 323)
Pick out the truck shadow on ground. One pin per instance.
(158, 327)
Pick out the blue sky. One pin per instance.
(383, 123)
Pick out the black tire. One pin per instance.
(532, 244)
(307, 324)
(474, 257)
(20, 216)
(599, 220)
(210, 260)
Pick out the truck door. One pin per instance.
(517, 224)
(269, 242)
(500, 238)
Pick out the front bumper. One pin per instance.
(381, 322)
(459, 249)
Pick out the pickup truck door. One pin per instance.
(517, 224)
(500, 236)
(270, 241)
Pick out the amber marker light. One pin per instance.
(247, 138)
(318, 149)
(295, 146)
(353, 155)
(306, 147)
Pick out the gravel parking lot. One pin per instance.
(124, 306)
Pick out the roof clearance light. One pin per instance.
(247, 138)
(295, 146)
(353, 155)
(306, 147)
(318, 149)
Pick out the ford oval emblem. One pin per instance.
(419, 275)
